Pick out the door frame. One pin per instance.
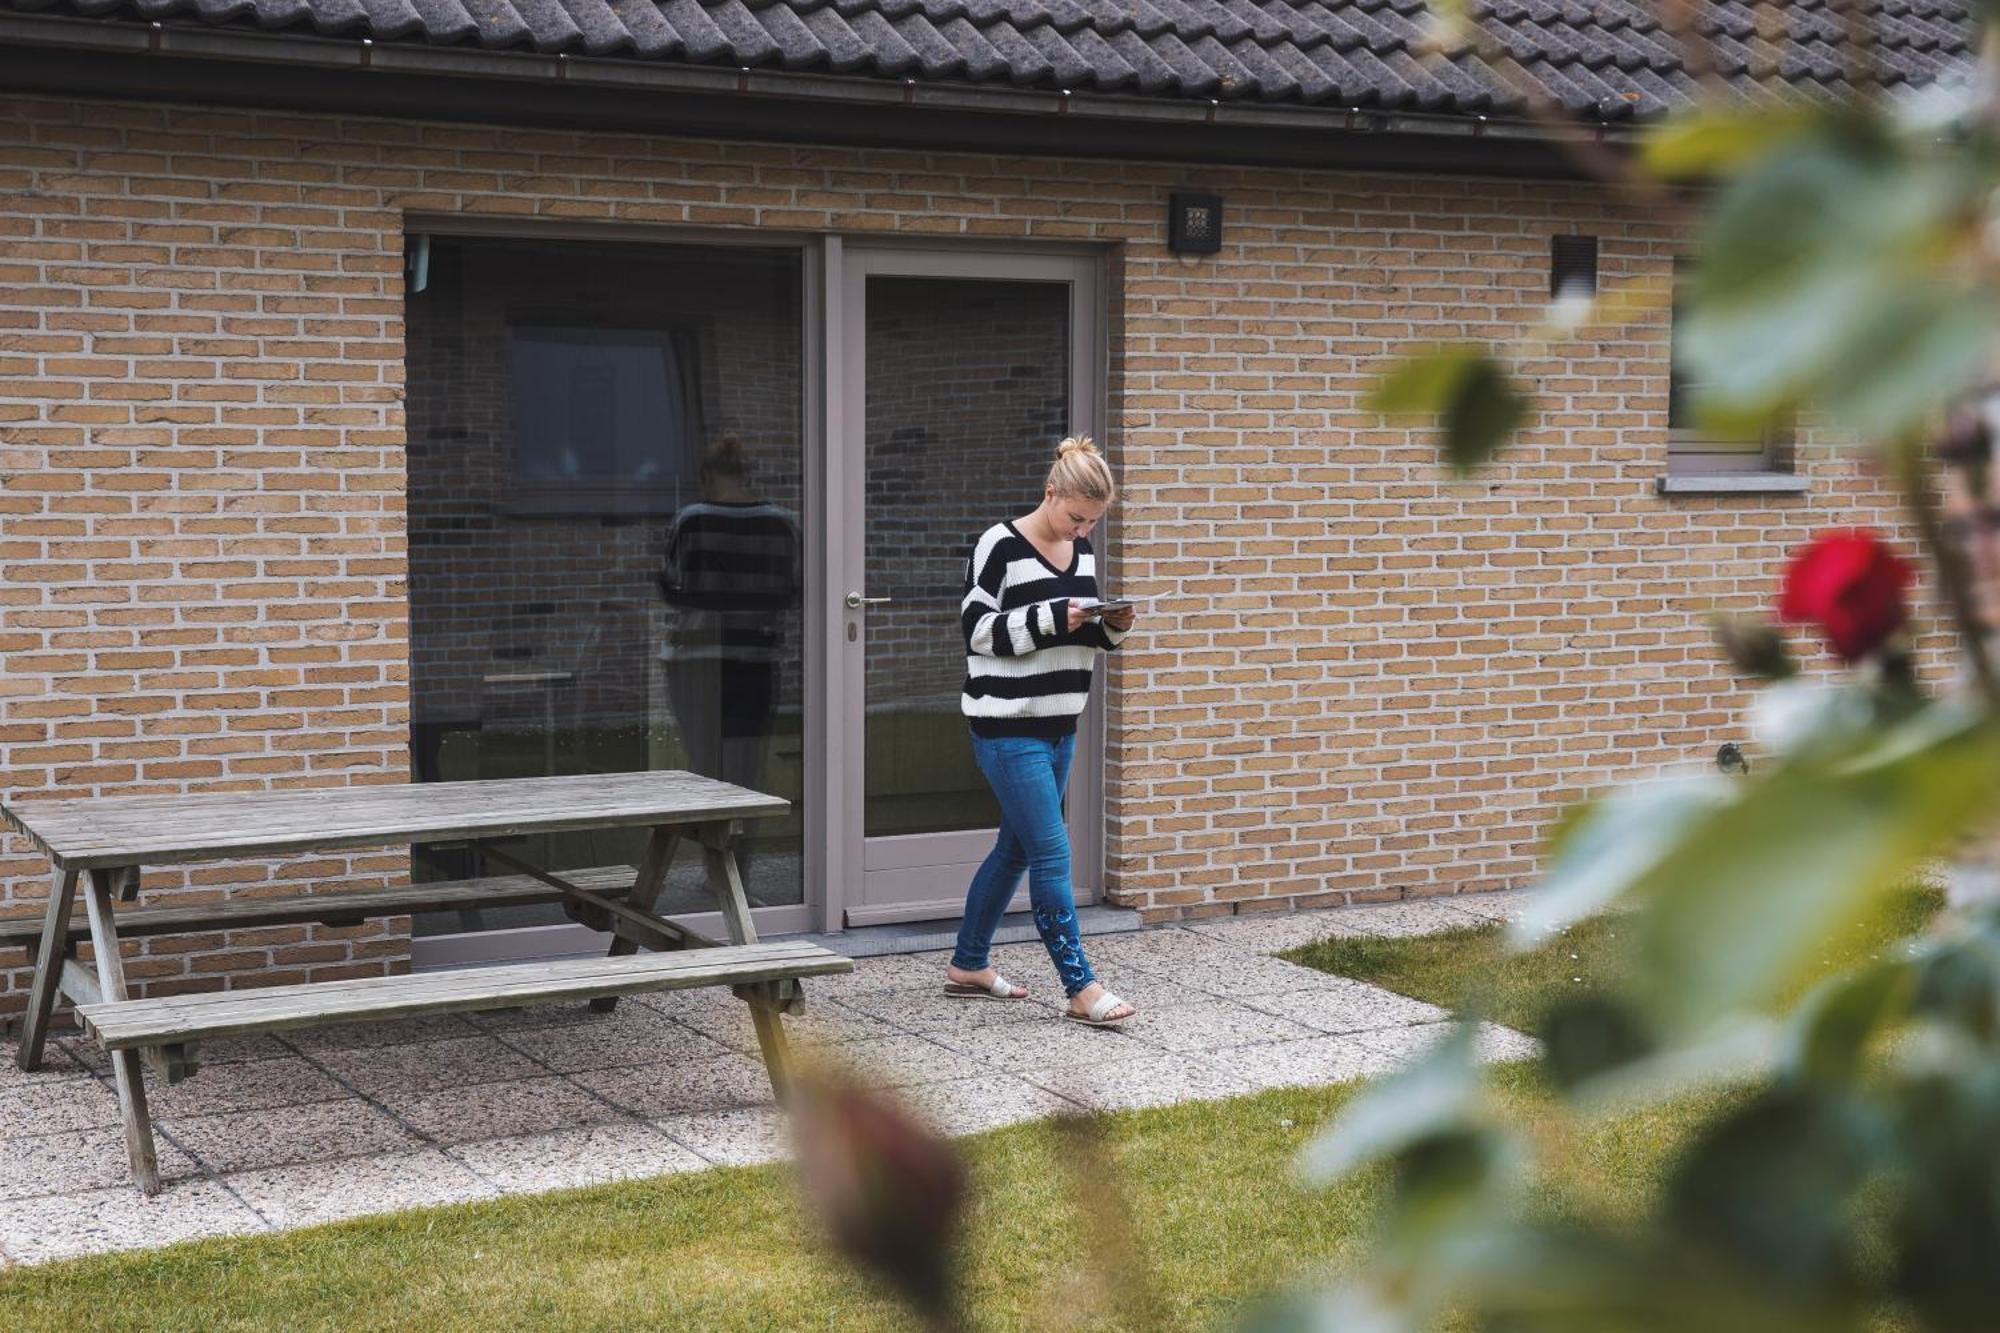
(847, 266)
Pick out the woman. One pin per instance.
(1030, 645)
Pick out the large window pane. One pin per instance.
(604, 490)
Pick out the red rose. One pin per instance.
(1851, 586)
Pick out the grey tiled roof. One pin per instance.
(1599, 59)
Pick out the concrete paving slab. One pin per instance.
(1348, 1006)
(56, 1107)
(60, 1226)
(653, 1091)
(537, 1016)
(312, 1192)
(630, 1035)
(1416, 916)
(831, 1023)
(280, 1136)
(86, 1159)
(394, 1032)
(924, 1011)
(1159, 1079)
(1504, 905)
(224, 1051)
(499, 1110)
(1026, 1047)
(1492, 1043)
(245, 1086)
(1308, 1062)
(570, 1158)
(1242, 974)
(986, 1103)
(740, 1137)
(1212, 1026)
(57, 1064)
(454, 1062)
(908, 1058)
(1275, 932)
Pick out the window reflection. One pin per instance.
(568, 404)
(731, 580)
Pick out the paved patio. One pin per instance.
(333, 1123)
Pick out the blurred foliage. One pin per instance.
(1845, 267)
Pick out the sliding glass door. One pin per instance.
(608, 534)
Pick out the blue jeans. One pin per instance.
(1027, 774)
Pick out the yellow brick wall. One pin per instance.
(1358, 680)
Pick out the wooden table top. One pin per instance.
(104, 831)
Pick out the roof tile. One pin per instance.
(1598, 59)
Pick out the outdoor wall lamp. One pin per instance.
(1194, 223)
(1572, 266)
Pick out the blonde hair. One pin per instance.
(1081, 473)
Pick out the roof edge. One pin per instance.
(166, 47)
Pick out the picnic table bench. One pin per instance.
(98, 845)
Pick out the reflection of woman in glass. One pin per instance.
(732, 572)
(1031, 644)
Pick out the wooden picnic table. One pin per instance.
(97, 847)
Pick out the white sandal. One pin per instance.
(1001, 989)
(1099, 1007)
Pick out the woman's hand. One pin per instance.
(1077, 615)
(1121, 620)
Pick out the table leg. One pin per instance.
(646, 890)
(125, 1065)
(48, 971)
(725, 880)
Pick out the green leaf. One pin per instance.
(1450, 1181)
(1834, 1027)
(1959, 985)
(1735, 1051)
(1770, 1186)
(1587, 1036)
(1718, 140)
(1358, 1307)
(1608, 846)
(1917, 351)
(1947, 1228)
(1827, 276)
(1466, 389)
(1432, 1095)
(1752, 892)
(1552, 1278)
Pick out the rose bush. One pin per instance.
(1849, 267)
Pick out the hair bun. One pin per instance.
(1075, 444)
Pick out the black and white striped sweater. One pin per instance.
(1025, 673)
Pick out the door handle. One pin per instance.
(855, 601)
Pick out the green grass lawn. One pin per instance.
(1220, 1216)
(1473, 965)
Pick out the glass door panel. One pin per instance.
(605, 498)
(968, 377)
(967, 391)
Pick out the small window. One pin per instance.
(1692, 452)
